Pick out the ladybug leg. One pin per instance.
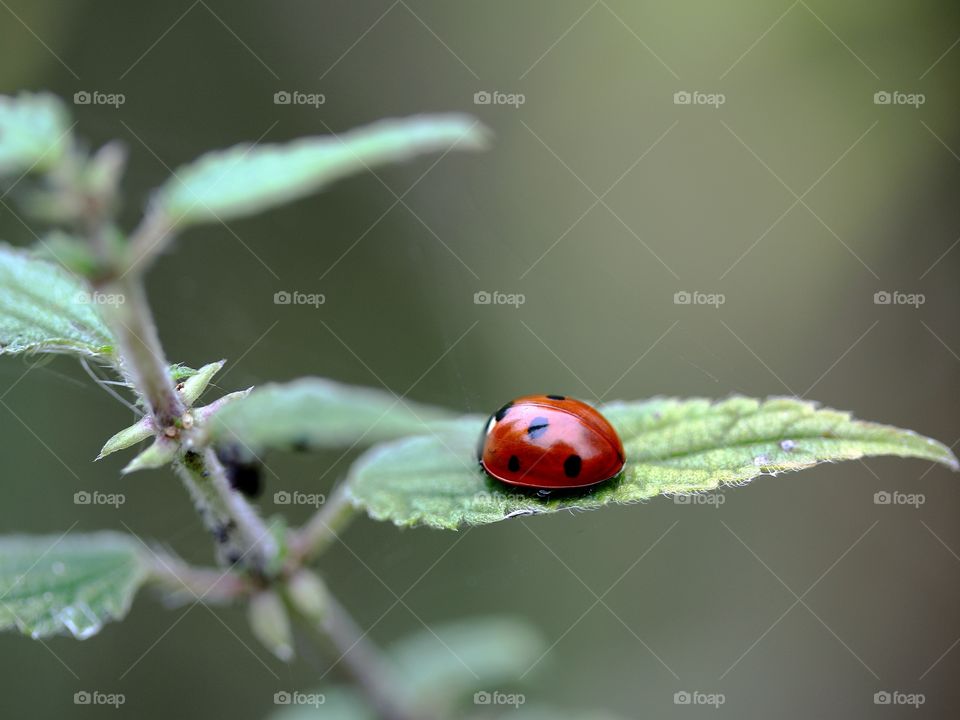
(543, 494)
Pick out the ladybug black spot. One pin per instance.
(538, 426)
(557, 397)
(571, 466)
(513, 463)
(502, 412)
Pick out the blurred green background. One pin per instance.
(693, 198)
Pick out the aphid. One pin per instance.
(243, 471)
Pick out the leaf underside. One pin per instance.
(315, 413)
(45, 309)
(672, 447)
(70, 584)
(248, 179)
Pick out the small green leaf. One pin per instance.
(138, 432)
(181, 372)
(45, 309)
(248, 179)
(270, 623)
(307, 594)
(194, 385)
(161, 452)
(34, 132)
(73, 253)
(672, 446)
(68, 584)
(315, 413)
(204, 413)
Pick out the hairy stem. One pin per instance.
(241, 535)
(323, 528)
(141, 352)
(149, 239)
(211, 584)
(259, 544)
(213, 513)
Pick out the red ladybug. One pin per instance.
(550, 442)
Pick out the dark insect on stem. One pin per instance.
(244, 472)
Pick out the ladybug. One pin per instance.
(550, 442)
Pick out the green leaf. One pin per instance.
(196, 383)
(180, 372)
(45, 309)
(68, 584)
(248, 179)
(270, 623)
(444, 664)
(313, 413)
(34, 132)
(672, 446)
(74, 254)
(138, 432)
(161, 452)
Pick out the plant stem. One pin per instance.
(148, 240)
(141, 352)
(366, 664)
(323, 527)
(211, 584)
(259, 544)
(225, 512)
(241, 535)
(214, 514)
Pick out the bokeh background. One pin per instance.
(798, 198)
